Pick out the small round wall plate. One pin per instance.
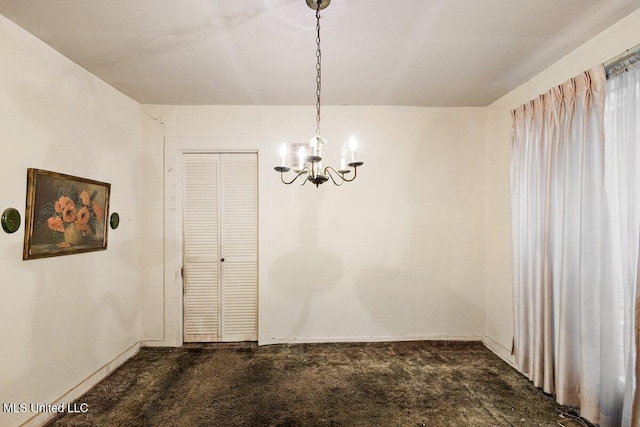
(10, 220)
(313, 4)
(114, 220)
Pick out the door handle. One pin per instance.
(221, 259)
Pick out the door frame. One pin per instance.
(173, 281)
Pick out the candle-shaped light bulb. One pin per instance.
(283, 154)
(353, 146)
(313, 146)
(343, 163)
(301, 155)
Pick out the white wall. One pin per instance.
(398, 254)
(64, 318)
(613, 41)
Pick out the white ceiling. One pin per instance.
(374, 52)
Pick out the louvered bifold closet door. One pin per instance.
(201, 228)
(239, 243)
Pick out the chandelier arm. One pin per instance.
(355, 174)
(303, 171)
(328, 171)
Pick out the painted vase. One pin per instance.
(72, 235)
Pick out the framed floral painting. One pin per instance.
(65, 214)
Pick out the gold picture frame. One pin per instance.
(65, 214)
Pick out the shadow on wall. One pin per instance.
(307, 271)
(391, 289)
(428, 285)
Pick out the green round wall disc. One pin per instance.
(114, 221)
(10, 220)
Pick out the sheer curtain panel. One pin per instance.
(622, 179)
(569, 336)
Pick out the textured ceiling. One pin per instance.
(374, 52)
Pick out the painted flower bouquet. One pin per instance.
(73, 213)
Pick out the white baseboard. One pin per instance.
(317, 340)
(157, 343)
(500, 351)
(80, 389)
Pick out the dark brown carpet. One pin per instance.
(373, 384)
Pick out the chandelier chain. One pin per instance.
(318, 68)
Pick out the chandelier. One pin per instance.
(307, 166)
